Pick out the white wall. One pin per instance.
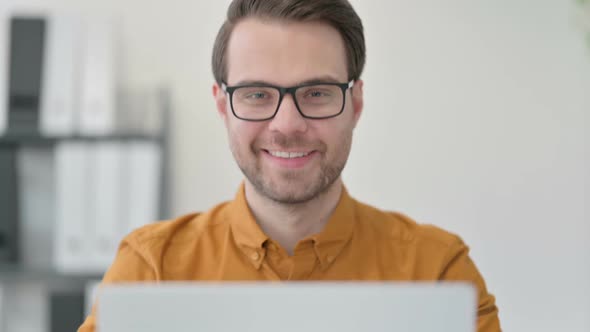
(476, 120)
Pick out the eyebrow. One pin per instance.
(319, 79)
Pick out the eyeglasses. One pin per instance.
(261, 102)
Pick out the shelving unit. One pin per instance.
(36, 139)
(17, 274)
(13, 272)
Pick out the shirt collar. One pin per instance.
(328, 244)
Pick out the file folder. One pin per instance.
(106, 212)
(4, 55)
(25, 307)
(36, 206)
(143, 184)
(98, 105)
(90, 294)
(61, 76)
(72, 234)
(66, 310)
(2, 319)
(27, 38)
(141, 111)
(8, 205)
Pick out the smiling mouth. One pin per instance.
(290, 160)
(288, 155)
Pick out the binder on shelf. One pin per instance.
(98, 105)
(9, 232)
(25, 308)
(104, 190)
(36, 206)
(106, 212)
(60, 76)
(90, 293)
(66, 310)
(27, 38)
(71, 245)
(143, 184)
(140, 111)
(2, 305)
(4, 55)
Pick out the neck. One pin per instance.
(287, 224)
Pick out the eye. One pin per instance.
(256, 95)
(317, 93)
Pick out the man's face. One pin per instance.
(289, 159)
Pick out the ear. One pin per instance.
(220, 100)
(357, 100)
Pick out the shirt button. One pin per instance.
(255, 256)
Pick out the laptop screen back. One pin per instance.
(286, 307)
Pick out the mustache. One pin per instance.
(278, 140)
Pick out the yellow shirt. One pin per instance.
(359, 242)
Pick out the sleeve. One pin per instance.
(459, 267)
(129, 265)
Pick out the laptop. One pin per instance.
(286, 307)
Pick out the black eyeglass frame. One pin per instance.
(282, 92)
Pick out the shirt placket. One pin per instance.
(304, 261)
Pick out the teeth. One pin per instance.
(288, 155)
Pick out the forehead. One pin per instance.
(284, 53)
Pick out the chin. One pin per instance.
(291, 197)
(292, 191)
(294, 186)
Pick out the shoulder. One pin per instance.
(428, 251)
(400, 227)
(156, 236)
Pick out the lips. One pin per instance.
(289, 159)
(287, 154)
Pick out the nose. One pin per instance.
(288, 120)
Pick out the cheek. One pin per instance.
(335, 134)
(242, 133)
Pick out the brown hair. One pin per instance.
(337, 13)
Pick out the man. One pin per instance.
(288, 89)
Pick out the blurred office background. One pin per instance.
(476, 120)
